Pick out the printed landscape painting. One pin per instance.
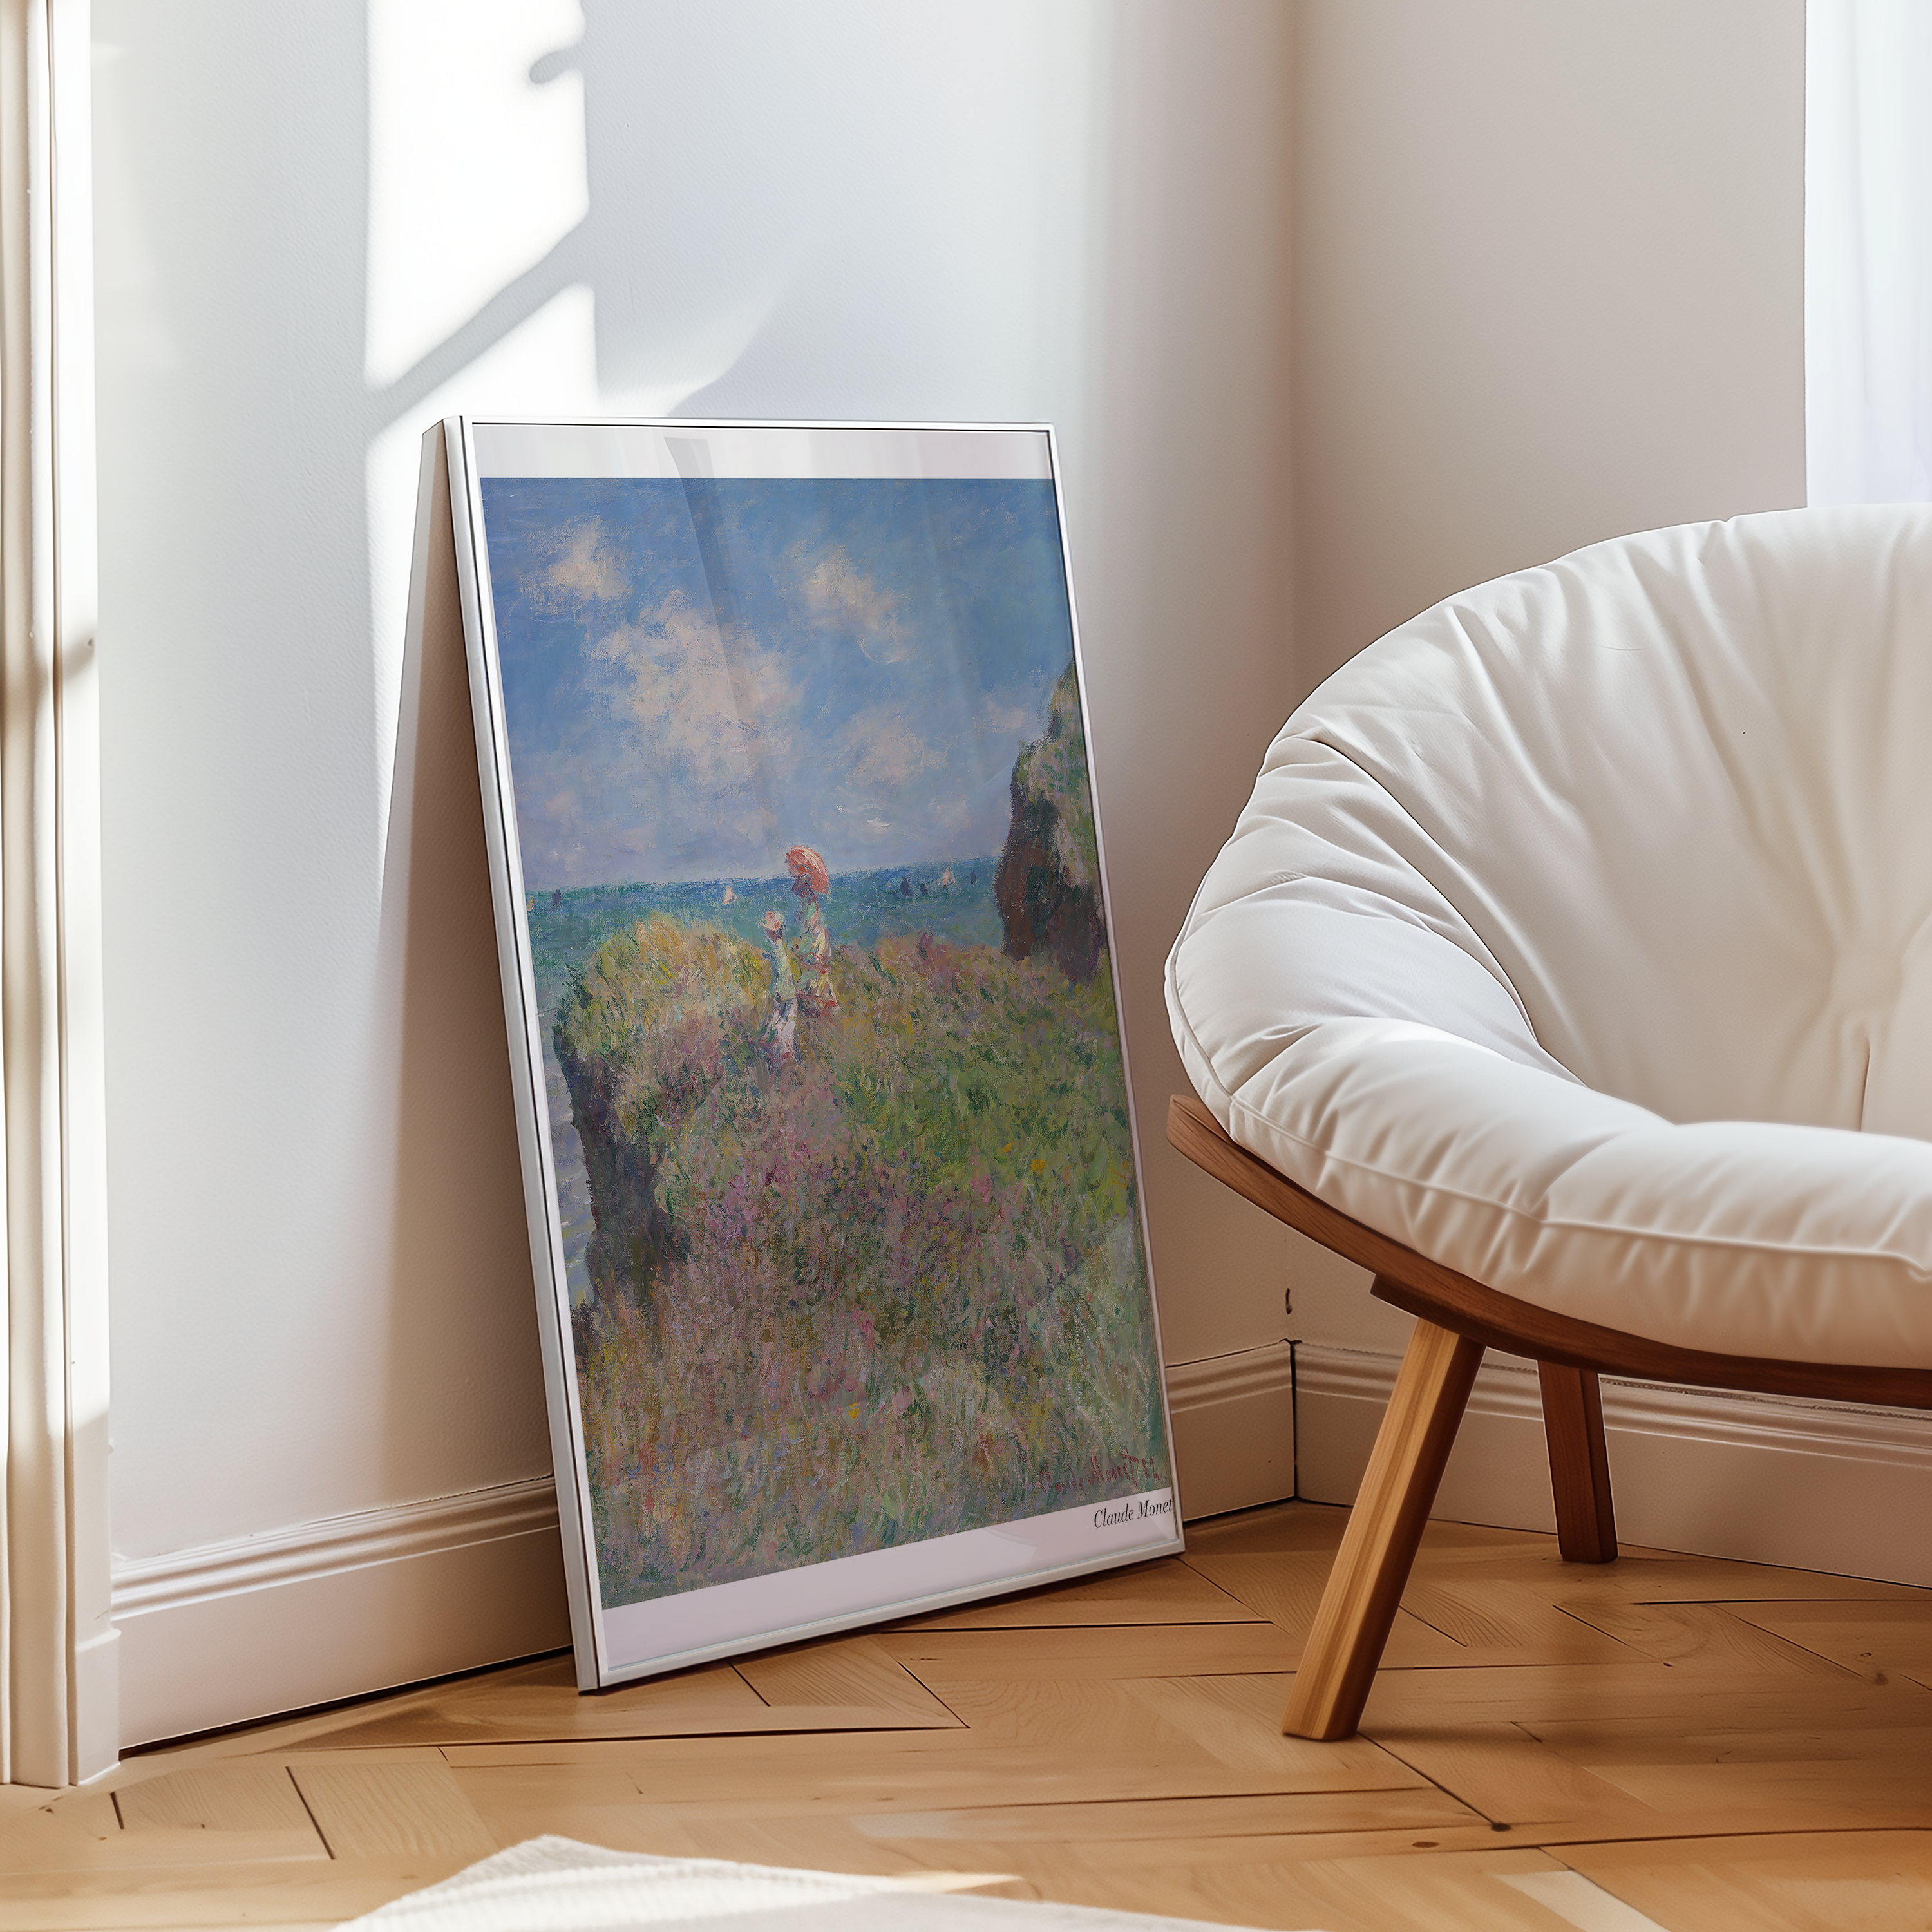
(836, 1089)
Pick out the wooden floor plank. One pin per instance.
(1237, 1720)
(596, 1805)
(1172, 1721)
(1356, 1839)
(705, 1773)
(1417, 1808)
(1452, 1889)
(1285, 1589)
(80, 1815)
(1097, 1714)
(1655, 1692)
(1513, 1779)
(1509, 1623)
(1456, 1891)
(1170, 1591)
(1882, 1792)
(1608, 1745)
(819, 1841)
(1873, 1638)
(308, 1727)
(215, 1893)
(542, 1700)
(368, 1810)
(1701, 1636)
(82, 1831)
(1720, 1744)
(245, 1797)
(1808, 1881)
(853, 1672)
(1139, 1650)
(1652, 1577)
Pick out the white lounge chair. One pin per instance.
(1570, 967)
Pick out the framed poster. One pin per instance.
(828, 1152)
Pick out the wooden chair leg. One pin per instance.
(1364, 1589)
(1579, 1464)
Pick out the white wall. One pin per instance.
(1549, 260)
(319, 230)
(1547, 288)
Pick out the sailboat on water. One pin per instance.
(946, 879)
(729, 894)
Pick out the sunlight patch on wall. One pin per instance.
(476, 171)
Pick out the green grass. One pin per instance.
(892, 1291)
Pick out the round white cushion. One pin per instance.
(1579, 935)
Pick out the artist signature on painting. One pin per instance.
(1107, 1516)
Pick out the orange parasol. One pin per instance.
(805, 864)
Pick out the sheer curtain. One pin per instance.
(1868, 250)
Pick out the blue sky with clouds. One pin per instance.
(697, 674)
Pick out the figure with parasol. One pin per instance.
(810, 881)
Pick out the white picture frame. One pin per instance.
(730, 662)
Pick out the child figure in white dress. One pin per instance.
(781, 1029)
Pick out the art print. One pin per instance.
(834, 1123)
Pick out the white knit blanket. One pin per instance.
(554, 1884)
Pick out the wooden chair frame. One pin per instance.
(1457, 1318)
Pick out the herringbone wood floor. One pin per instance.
(1718, 1745)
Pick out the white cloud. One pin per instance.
(998, 717)
(587, 568)
(715, 709)
(883, 752)
(842, 598)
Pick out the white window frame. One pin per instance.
(58, 1677)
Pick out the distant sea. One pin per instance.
(568, 925)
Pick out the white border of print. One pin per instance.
(671, 1633)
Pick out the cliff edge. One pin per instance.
(1048, 885)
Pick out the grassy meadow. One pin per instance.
(888, 1289)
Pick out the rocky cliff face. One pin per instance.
(647, 1029)
(634, 1237)
(1048, 885)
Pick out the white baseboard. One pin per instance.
(232, 1631)
(1233, 1429)
(1769, 1479)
